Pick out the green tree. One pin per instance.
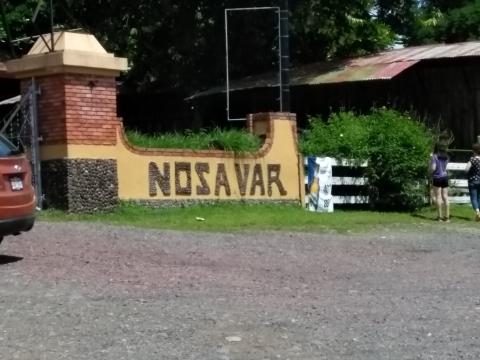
(400, 15)
(461, 24)
(182, 46)
(443, 5)
(328, 29)
(16, 22)
(445, 21)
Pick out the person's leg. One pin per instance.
(474, 193)
(438, 201)
(446, 204)
(477, 204)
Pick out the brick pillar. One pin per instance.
(77, 119)
(77, 109)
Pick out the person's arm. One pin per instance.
(469, 165)
(433, 164)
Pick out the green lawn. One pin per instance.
(244, 217)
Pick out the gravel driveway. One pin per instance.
(88, 291)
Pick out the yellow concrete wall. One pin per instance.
(275, 166)
(273, 172)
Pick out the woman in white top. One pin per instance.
(473, 171)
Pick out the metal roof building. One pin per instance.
(383, 66)
(440, 83)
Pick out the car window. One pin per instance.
(7, 148)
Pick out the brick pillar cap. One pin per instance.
(73, 53)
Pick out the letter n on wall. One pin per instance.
(155, 177)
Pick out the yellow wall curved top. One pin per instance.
(270, 174)
(178, 174)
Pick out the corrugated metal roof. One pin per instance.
(360, 73)
(423, 52)
(382, 66)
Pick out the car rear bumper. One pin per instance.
(16, 225)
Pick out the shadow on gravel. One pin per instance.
(7, 259)
(421, 216)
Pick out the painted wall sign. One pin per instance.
(273, 173)
(178, 178)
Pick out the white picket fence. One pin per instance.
(458, 188)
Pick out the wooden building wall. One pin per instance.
(444, 93)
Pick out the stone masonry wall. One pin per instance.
(80, 185)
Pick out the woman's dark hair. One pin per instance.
(441, 150)
(476, 149)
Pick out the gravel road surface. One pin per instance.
(89, 291)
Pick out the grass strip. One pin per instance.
(244, 217)
(238, 141)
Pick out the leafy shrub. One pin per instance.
(238, 141)
(398, 157)
(396, 147)
(344, 135)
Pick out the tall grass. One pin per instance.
(238, 141)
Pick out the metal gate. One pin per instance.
(20, 126)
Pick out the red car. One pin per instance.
(17, 195)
